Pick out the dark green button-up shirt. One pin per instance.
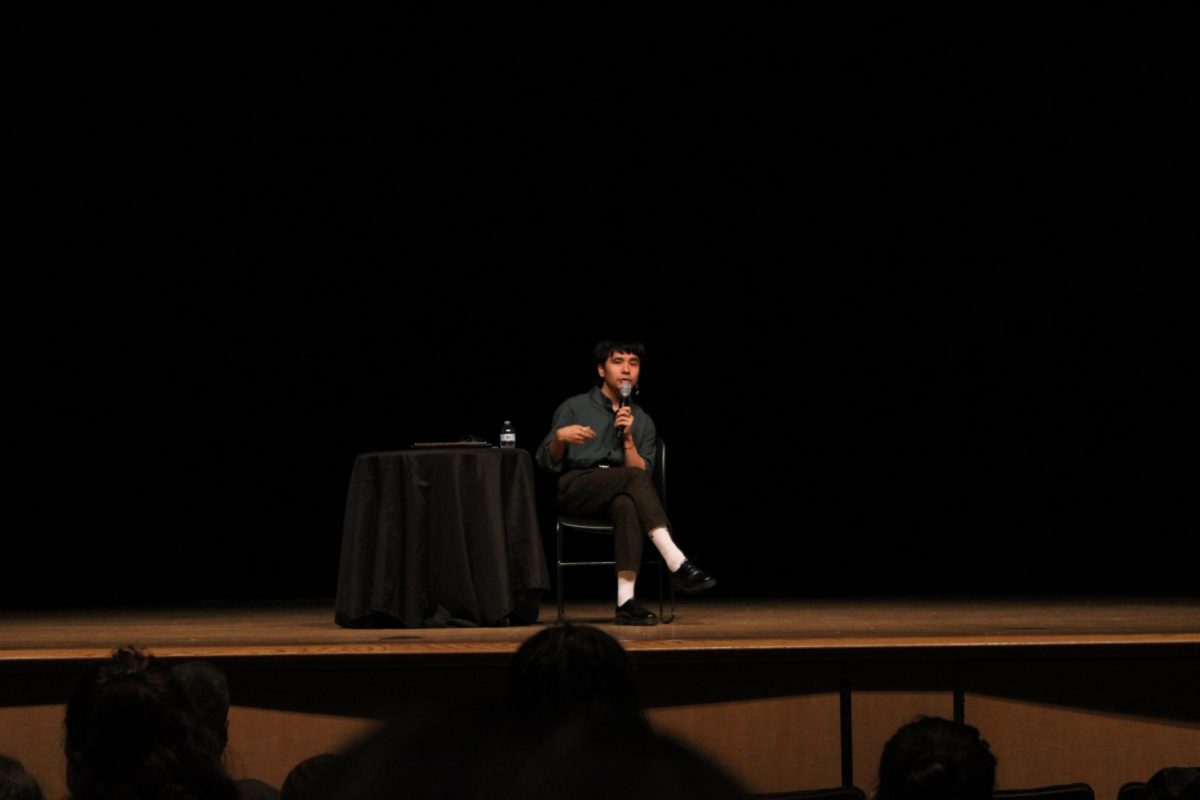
(595, 410)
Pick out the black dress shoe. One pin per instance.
(690, 579)
(630, 613)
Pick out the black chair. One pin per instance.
(604, 527)
(1065, 791)
(836, 793)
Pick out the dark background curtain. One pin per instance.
(864, 253)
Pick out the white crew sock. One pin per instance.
(670, 553)
(626, 579)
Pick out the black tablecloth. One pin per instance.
(441, 537)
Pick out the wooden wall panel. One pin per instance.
(770, 745)
(774, 723)
(1038, 745)
(1103, 721)
(34, 736)
(266, 743)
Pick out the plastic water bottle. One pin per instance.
(508, 435)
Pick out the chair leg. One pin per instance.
(660, 587)
(662, 569)
(559, 563)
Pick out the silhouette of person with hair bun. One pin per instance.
(132, 734)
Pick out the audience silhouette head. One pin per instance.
(207, 689)
(936, 759)
(16, 783)
(313, 778)
(131, 733)
(573, 670)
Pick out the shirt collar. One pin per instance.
(600, 398)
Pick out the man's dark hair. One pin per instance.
(607, 347)
(932, 758)
(132, 734)
(571, 670)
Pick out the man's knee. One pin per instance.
(637, 477)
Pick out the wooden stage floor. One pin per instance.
(785, 694)
(307, 628)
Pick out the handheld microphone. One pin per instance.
(626, 391)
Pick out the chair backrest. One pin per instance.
(1064, 791)
(835, 793)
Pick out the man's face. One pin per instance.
(619, 367)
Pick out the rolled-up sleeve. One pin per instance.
(563, 415)
(647, 442)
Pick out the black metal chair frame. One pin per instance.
(604, 527)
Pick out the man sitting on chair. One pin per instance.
(604, 446)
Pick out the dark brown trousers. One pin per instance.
(624, 496)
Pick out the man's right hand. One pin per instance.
(574, 434)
